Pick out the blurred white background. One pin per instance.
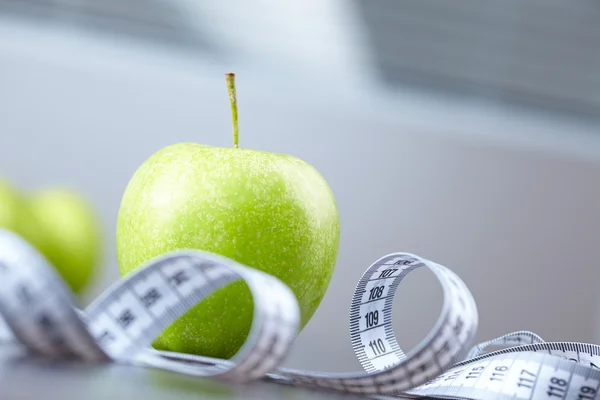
(506, 195)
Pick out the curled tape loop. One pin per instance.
(37, 311)
(122, 323)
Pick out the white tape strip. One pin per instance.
(37, 311)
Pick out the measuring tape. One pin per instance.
(37, 311)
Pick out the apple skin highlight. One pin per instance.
(272, 212)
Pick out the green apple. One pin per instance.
(273, 212)
(65, 228)
(59, 223)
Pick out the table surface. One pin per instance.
(25, 378)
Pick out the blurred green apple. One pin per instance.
(273, 212)
(61, 224)
(70, 234)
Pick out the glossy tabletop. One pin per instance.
(26, 378)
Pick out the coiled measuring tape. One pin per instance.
(37, 311)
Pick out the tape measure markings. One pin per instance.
(397, 375)
(31, 287)
(518, 376)
(119, 326)
(384, 271)
(122, 320)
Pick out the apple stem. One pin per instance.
(230, 78)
